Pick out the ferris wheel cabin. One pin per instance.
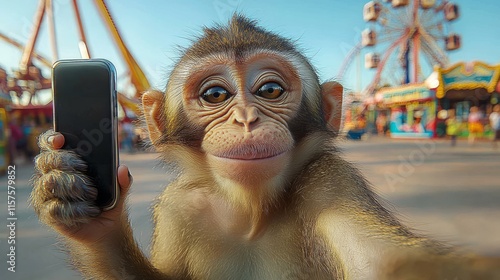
(399, 3)
(451, 12)
(371, 11)
(427, 4)
(452, 42)
(424, 4)
(368, 38)
(372, 60)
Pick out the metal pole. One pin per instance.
(137, 76)
(30, 46)
(416, 41)
(52, 30)
(84, 50)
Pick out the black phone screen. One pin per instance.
(85, 113)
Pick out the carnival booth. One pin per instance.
(33, 120)
(412, 110)
(5, 100)
(467, 84)
(463, 85)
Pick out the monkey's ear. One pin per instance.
(332, 93)
(152, 104)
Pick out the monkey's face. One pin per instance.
(244, 107)
(242, 104)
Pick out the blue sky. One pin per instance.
(325, 30)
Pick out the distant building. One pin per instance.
(413, 108)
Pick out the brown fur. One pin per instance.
(316, 219)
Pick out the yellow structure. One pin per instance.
(467, 76)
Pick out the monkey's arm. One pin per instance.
(355, 227)
(117, 256)
(101, 243)
(371, 243)
(415, 265)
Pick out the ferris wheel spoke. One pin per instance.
(385, 41)
(402, 18)
(393, 29)
(428, 16)
(434, 29)
(433, 52)
(396, 33)
(437, 38)
(435, 48)
(409, 15)
(432, 21)
(383, 61)
(390, 37)
(347, 61)
(437, 25)
(429, 55)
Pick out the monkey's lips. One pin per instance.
(250, 165)
(249, 154)
(250, 170)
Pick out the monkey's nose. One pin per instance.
(247, 117)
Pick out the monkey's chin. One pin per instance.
(252, 173)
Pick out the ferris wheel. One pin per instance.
(404, 39)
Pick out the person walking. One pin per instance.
(452, 127)
(15, 138)
(381, 123)
(475, 125)
(495, 124)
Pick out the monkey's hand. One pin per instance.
(101, 243)
(64, 198)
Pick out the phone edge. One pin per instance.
(114, 112)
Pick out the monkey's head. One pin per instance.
(245, 104)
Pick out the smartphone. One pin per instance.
(85, 112)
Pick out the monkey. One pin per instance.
(262, 190)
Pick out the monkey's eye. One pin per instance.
(216, 95)
(270, 91)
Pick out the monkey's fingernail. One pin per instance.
(130, 178)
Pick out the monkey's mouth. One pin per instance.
(250, 153)
(251, 156)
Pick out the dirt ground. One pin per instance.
(452, 194)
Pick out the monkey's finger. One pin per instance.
(59, 160)
(65, 186)
(125, 180)
(57, 140)
(50, 140)
(57, 212)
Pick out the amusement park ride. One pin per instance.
(28, 79)
(400, 34)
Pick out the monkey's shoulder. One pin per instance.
(329, 177)
(179, 199)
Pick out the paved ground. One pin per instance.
(452, 194)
